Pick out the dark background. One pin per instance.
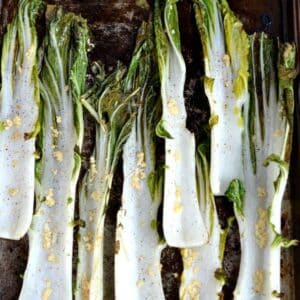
(114, 26)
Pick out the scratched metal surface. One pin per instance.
(114, 25)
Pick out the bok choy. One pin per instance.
(49, 271)
(226, 50)
(138, 246)
(183, 225)
(203, 276)
(19, 121)
(110, 103)
(268, 116)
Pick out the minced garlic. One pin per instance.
(258, 279)
(49, 199)
(58, 155)
(261, 228)
(191, 291)
(177, 208)
(48, 237)
(139, 173)
(261, 192)
(188, 257)
(58, 119)
(139, 283)
(17, 121)
(47, 292)
(96, 196)
(226, 60)
(13, 192)
(85, 287)
(172, 106)
(53, 259)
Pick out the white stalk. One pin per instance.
(139, 247)
(94, 194)
(49, 270)
(93, 197)
(225, 47)
(182, 222)
(19, 110)
(266, 174)
(202, 266)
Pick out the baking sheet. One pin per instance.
(114, 25)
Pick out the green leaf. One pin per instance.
(281, 241)
(223, 237)
(220, 275)
(161, 131)
(161, 40)
(237, 44)
(172, 24)
(283, 168)
(206, 15)
(235, 194)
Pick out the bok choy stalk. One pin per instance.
(183, 225)
(49, 269)
(111, 105)
(203, 276)
(226, 50)
(19, 124)
(268, 115)
(138, 244)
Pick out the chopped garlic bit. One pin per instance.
(139, 283)
(172, 106)
(58, 155)
(96, 195)
(139, 173)
(13, 192)
(16, 136)
(50, 202)
(8, 124)
(177, 208)
(258, 279)
(53, 259)
(85, 287)
(226, 83)
(191, 291)
(54, 132)
(47, 292)
(92, 214)
(177, 155)
(48, 237)
(141, 159)
(226, 60)
(58, 119)
(188, 257)
(17, 121)
(261, 228)
(88, 241)
(261, 192)
(14, 163)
